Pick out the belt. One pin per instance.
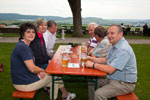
(127, 82)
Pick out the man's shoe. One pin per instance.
(71, 96)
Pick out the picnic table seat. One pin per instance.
(130, 96)
(21, 95)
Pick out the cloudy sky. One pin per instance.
(106, 9)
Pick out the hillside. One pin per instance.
(68, 20)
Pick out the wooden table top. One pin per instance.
(55, 66)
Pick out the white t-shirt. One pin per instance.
(49, 41)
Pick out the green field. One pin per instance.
(70, 35)
(142, 86)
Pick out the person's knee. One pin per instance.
(99, 95)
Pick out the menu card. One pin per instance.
(73, 65)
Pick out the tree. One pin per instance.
(75, 6)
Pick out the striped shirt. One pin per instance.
(92, 42)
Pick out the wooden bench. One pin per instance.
(21, 95)
(130, 96)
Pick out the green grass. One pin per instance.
(127, 37)
(137, 37)
(142, 86)
(70, 35)
(9, 34)
(143, 65)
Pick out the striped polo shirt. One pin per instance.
(93, 42)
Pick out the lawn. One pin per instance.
(70, 35)
(142, 86)
(9, 34)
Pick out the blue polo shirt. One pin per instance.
(122, 57)
(19, 72)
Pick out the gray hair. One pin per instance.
(50, 23)
(39, 21)
(95, 24)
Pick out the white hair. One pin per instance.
(95, 24)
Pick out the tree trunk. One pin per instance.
(75, 6)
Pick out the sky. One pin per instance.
(106, 9)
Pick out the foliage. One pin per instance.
(7, 22)
(142, 85)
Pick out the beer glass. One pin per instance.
(83, 58)
(83, 47)
(65, 59)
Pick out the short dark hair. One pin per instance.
(24, 27)
(100, 31)
(119, 28)
(50, 23)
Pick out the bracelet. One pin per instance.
(94, 65)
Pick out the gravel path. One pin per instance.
(74, 40)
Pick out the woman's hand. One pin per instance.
(41, 75)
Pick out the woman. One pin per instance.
(26, 76)
(103, 45)
(41, 57)
(38, 44)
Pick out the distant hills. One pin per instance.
(68, 20)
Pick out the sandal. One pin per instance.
(71, 96)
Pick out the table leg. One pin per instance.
(53, 87)
(96, 83)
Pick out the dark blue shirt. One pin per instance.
(19, 72)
